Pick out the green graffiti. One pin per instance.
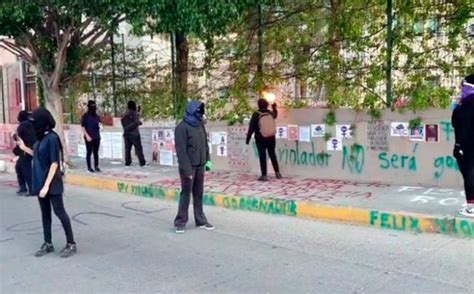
(444, 163)
(398, 161)
(447, 226)
(448, 130)
(122, 187)
(355, 159)
(270, 206)
(295, 156)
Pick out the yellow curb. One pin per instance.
(399, 221)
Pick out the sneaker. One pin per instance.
(263, 179)
(179, 230)
(278, 175)
(207, 226)
(466, 211)
(68, 250)
(22, 193)
(90, 170)
(145, 165)
(97, 170)
(45, 249)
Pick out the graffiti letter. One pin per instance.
(384, 161)
(422, 199)
(373, 217)
(414, 224)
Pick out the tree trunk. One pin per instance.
(54, 105)
(182, 64)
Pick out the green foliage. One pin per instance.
(375, 113)
(327, 136)
(330, 119)
(415, 123)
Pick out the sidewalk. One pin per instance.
(401, 208)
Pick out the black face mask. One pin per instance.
(39, 130)
(92, 109)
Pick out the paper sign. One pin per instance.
(81, 150)
(334, 144)
(169, 135)
(219, 138)
(417, 134)
(282, 132)
(117, 143)
(155, 151)
(318, 130)
(432, 133)
(305, 134)
(399, 129)
(106, 144)
(155, 135)
(293, 132)
(166, 157)
(210, 147)
(343, 131)
(222, 150)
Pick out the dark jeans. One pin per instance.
(23, 172)
(264, 146)
(196, 186)
(58, 207)
(136, 142)
(466, 166)
(92, 148)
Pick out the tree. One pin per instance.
(58, 38)
(184, 19)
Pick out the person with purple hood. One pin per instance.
(463, 124)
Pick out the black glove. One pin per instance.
(458, 152)
(274, 105)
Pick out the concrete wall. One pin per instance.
(398, 160)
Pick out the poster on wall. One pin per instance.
(238, 151)
(155, 151)
(334, 144)
(377, 135)
(81, 150)
(166, 157)
(219, 138)
(106, 144)
(343, 131)
(432, 133)
(157, 135)
(282, 132)
(293, 133)
(117, 143)
(399, 129)
(305, 134)
(169, 135)
(417, 134)
(222, 150)
(318, 130)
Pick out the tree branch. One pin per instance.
(61, 57)
(16, 50)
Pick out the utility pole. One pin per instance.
(173, 74)
(114, 97)
(124, 65)
(389, 97)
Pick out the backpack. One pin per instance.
(266, 124)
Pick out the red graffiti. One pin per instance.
(308, 189)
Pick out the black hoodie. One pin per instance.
(25, 132)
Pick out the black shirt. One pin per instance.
(26, 133)
(91, 122)
(463, 124)
(46, 152)
(254, 126)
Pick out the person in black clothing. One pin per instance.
(192, 150)
(90, 123)
(131, 134)
(463, 124)
(47, 180)
(23, 164)
(265, 142)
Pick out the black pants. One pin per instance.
(92, 148)
(196, 186)
(23, 172)
(58, 207)
(466, 166)
(264, 146)
(136, 142)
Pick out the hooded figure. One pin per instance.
(25, 133)
(90, 123)
(192, 150)
(463, 124)
(262, 124)
(131, 134)
(42, 122)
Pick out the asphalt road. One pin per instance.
(127, 245)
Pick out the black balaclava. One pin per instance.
(132, 106)
(92, 108)
(262, 104)
(42, 122)
(23, 116)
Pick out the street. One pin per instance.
(126, 244)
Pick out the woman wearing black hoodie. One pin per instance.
(264, 129)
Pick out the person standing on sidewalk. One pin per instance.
(262, 124)
(463, 124)
(131, 134)
(90, 123)
(192, 150)
(24, 133)
(48, 180)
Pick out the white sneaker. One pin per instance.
(466, 211)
